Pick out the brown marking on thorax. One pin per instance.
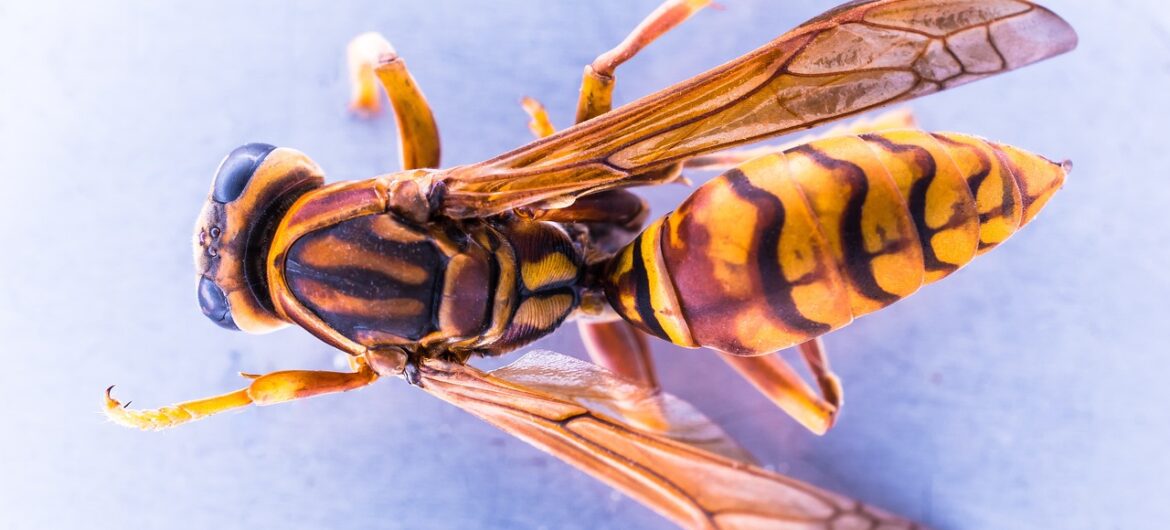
(363, 278)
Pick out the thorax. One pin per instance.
(362, 278)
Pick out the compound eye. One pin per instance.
(236, 170)
(214, 304)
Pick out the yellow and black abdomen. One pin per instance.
(789, 246)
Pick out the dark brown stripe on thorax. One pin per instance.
(351, 292)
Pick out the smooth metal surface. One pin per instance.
(1026, 391)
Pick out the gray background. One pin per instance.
(1026, 391)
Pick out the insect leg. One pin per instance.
(540, 125)
(817, 360)
(268, 389)
(615, 345)
(597, 98)
(603, 210)
(899, 118)
(371, 57)
(613, 218)
(597, 85)
(618, 347)
(692, 473)
(777, 380)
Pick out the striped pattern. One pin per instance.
(546, 256)
(862, 56)
(788, 247)
(362, 278)
(380, 282)
(540, 269)
(654, 304)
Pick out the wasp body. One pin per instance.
(770, 247)
(416, 272)
(791, 246)
(337, 261)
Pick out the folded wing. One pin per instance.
(686, 468)
(856, 58)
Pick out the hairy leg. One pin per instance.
(268, 389)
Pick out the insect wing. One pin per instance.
(561, 405)
(853, 59)
(890, 120)
(600, 390)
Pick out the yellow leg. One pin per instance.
(372, 60)
(538, 123)
(774, 378)
(269, 389)
(614, 345)
(817, 360)
(899, 118)
(612, 208)
(597, 85)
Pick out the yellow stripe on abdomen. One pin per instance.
(746, 260)
(787, 247)
(864, 216)
(996, 193)
(937, 198)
